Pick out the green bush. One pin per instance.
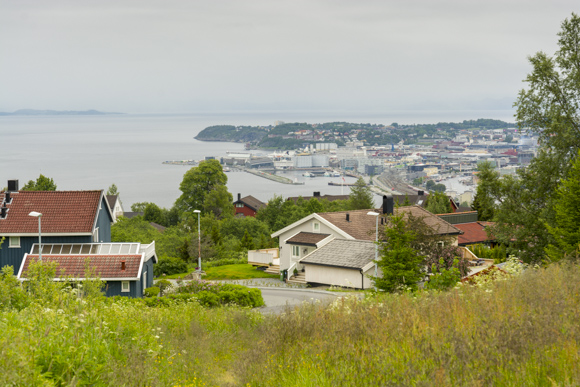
(163, 285)
(225, 294)
(169, 266)
(12, 295)
(151, 292)
(208, 298)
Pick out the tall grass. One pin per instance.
(521, 331)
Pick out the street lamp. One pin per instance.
(376, 214)
(198, 212)
(38, 215)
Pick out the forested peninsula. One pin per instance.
(295, 135)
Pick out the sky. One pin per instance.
(170, 56)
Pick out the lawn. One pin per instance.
(239, 271)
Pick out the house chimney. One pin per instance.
(388, 205)
(316, 194)
(13, 185)
(239, 196)
(420, 193)
(348, 217)
(123, 265)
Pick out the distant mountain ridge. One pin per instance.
(34, 112)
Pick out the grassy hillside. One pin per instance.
(519, 331)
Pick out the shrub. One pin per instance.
(163, 286)
(151, 292)
(169, 266)
(225, 294)
(208, 298)
(12, 295)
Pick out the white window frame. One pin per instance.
(315, 226)
(144, 280)
(96, 235)
(295, 248)
(14, 242)
(125, 287)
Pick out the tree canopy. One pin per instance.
(438, 203)
(524, 204)
(199, 184)
(361, 196)
(43, 183)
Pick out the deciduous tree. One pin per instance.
(43, 183)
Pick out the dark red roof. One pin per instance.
(473, 232)
(62, 211)
(104, 266)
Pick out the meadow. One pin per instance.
(514, 331)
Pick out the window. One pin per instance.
(14, 242)
(240, 205)
(125, 286)
(316, 226)
(441, 243)
(295, 251)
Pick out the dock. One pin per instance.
(270, 176)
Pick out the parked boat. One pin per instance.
(307, 174)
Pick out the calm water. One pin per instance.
(93, 152)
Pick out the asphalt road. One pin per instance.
(278, 299)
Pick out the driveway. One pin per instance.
(277, 299)
(278, 295)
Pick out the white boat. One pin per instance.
(327, 174)
(335, 174)
(307, 174)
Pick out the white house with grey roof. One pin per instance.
(332, 248)
(342, 262)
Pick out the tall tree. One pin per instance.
(438, 203)
(361, 196)
(113, 190)
(43, 183)
(483, 201)
(550, 107)
(400, 263)
(198, 183)
(566, 231)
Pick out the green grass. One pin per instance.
(235, 272)
(517, 331)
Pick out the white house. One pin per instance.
(299, 243)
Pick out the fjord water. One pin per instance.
(93, 152)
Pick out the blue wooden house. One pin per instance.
(67, 217)
(126, 268)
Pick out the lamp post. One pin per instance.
(38, 215)
(198, 212)
(376, 214)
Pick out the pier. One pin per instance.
(270, 176)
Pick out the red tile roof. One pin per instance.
(62, 211)
(473, 232)
(104, 266)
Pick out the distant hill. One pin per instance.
(33, 112)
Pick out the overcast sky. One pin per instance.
(169, 56)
